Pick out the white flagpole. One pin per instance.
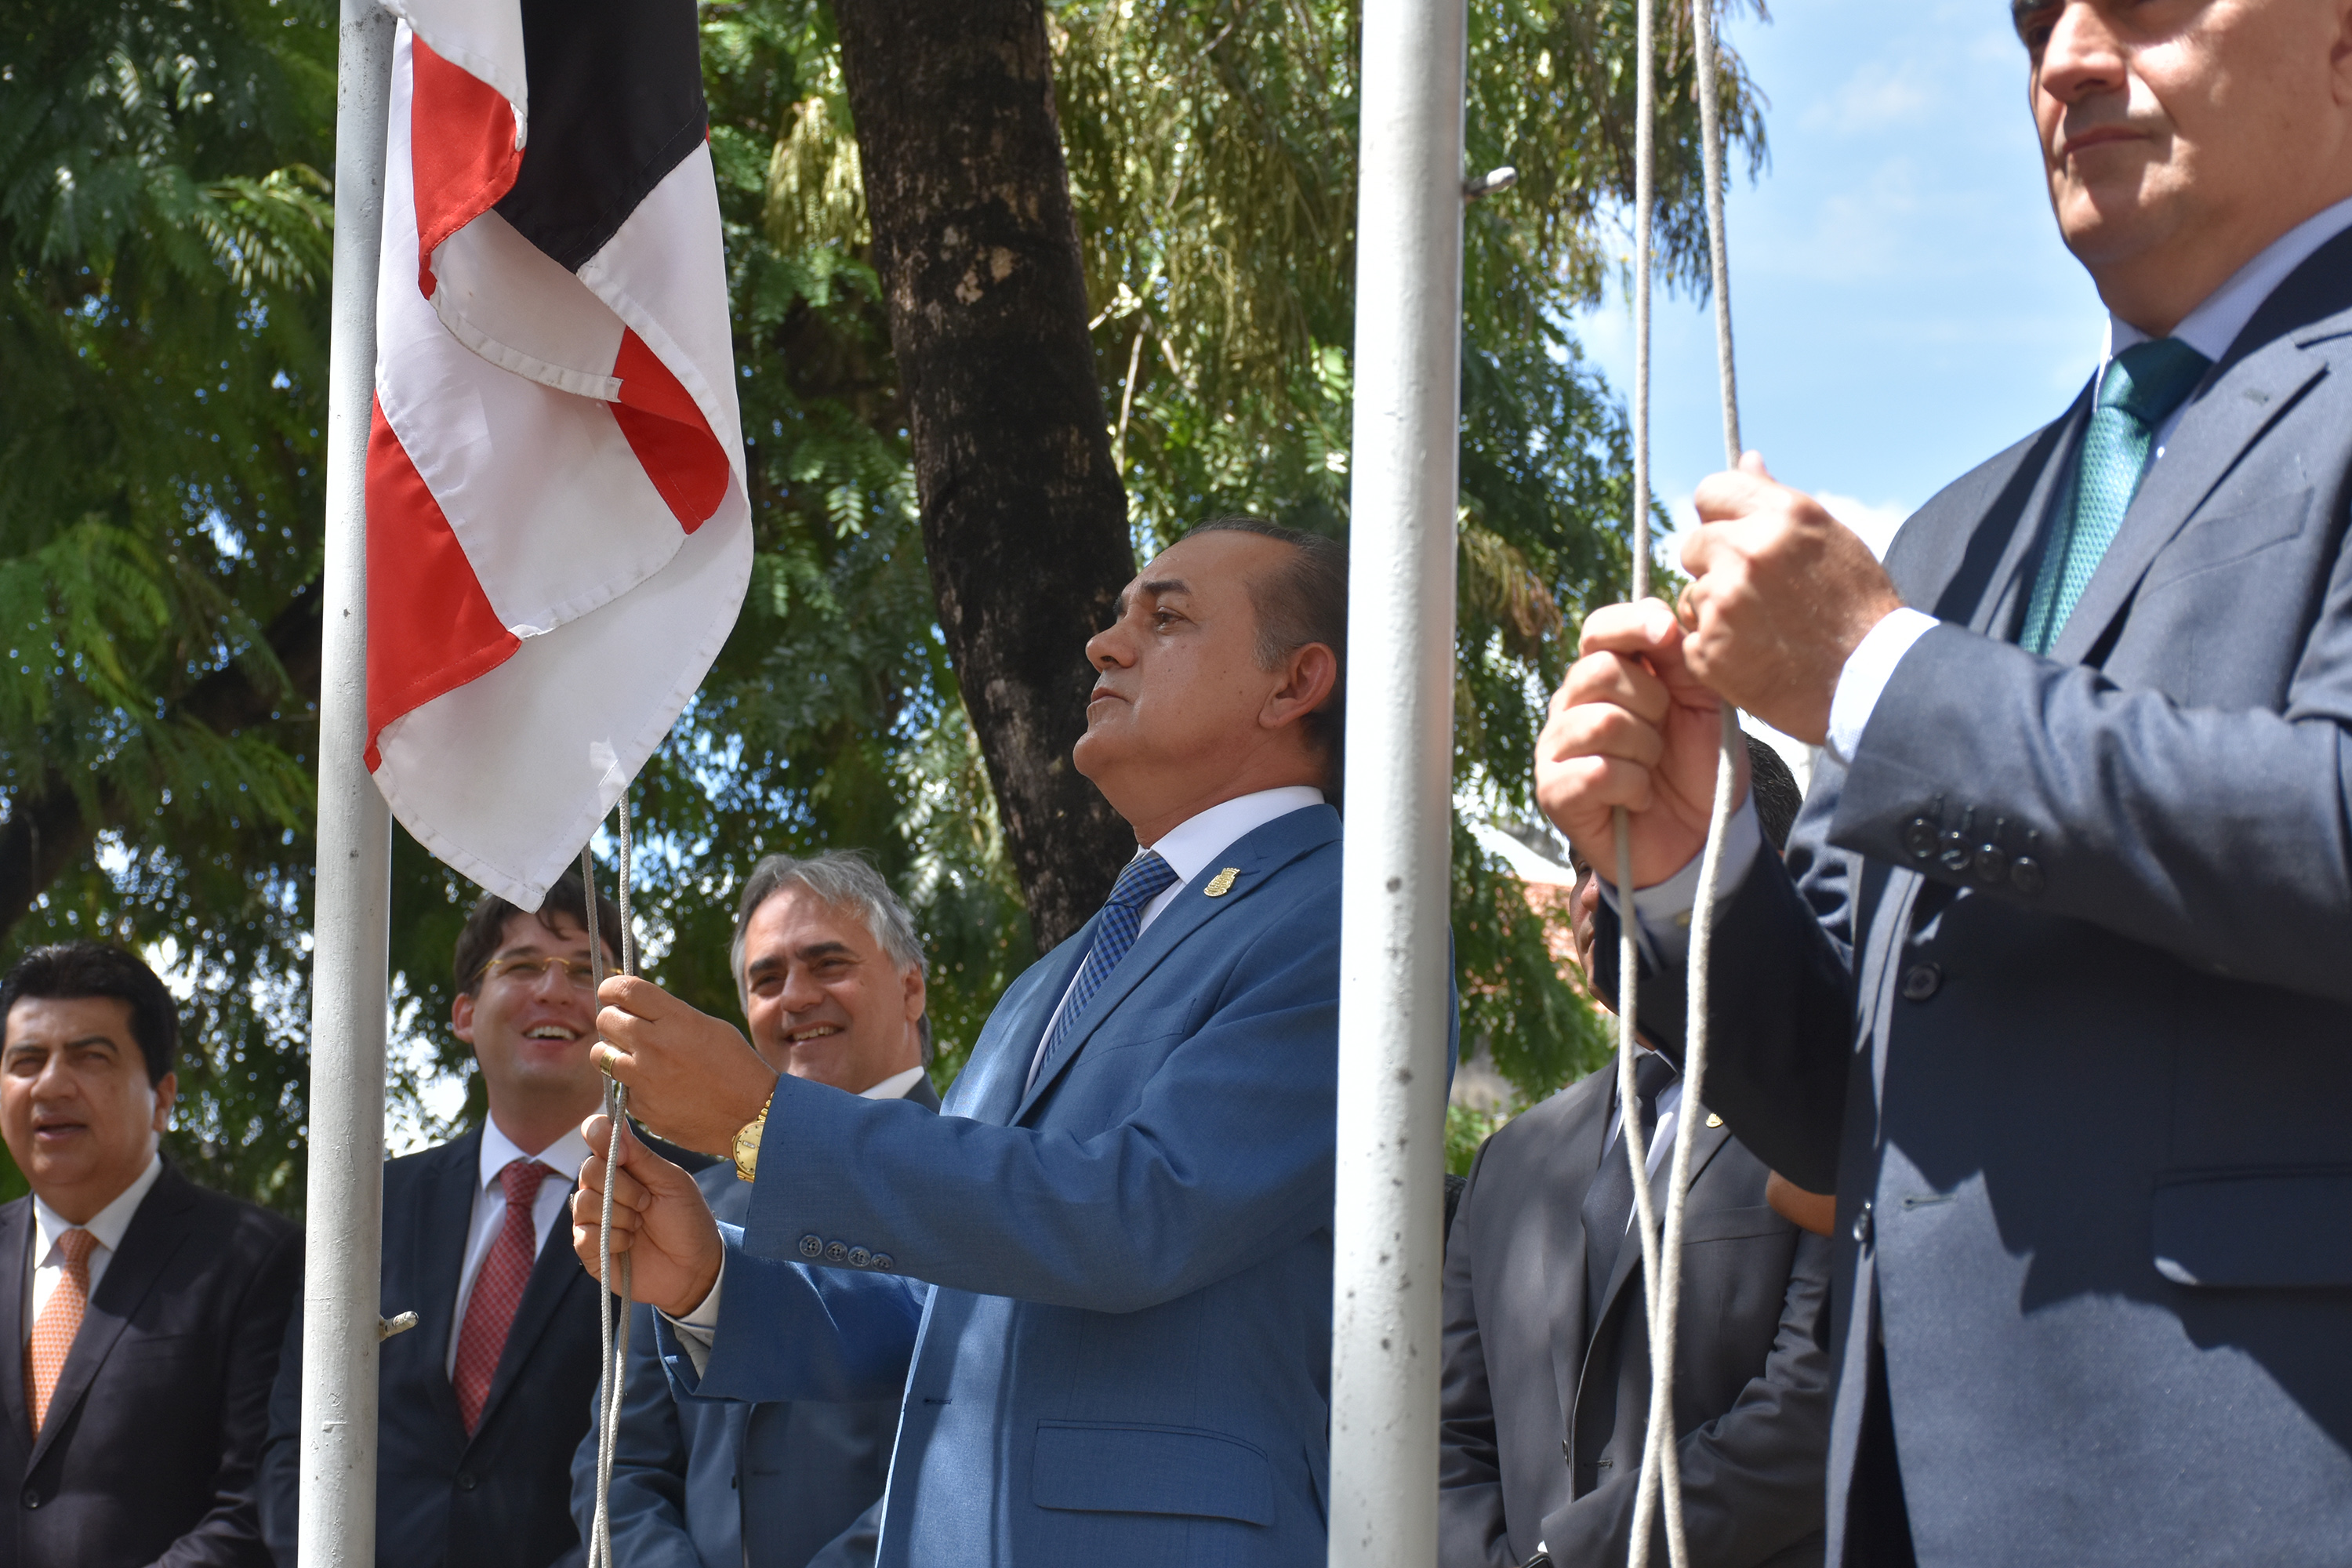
(1394, 958)
(351, 943)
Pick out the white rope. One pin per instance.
(1661, 1477)
(613, 1376)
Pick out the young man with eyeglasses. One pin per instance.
(483, 1402)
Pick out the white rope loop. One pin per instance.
(613, 1376)
(1661, 1477)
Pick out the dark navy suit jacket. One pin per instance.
(157, 1423)
(1125, 1342)
(500, 1498)
(2056, 989)
(700, 1483)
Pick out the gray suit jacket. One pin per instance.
(1541, 1441)
(706, 1484)
(2057, 987)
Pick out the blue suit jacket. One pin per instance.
(700, 1483)
(1124, 1346)
(2055, 988)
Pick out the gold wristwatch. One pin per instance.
(747, 1142)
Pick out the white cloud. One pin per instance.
(1875, 524)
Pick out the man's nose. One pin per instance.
(2083, 55)
(1107, 650)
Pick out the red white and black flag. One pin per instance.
(558, 535)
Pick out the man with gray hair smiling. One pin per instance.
(830, 972)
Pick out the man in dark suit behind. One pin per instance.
(2052, 985)
(481, 1405)
(1545, 1382)
(831, 973)
(143, 1312)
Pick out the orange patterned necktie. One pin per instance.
(60, 1320)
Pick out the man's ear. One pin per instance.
(461, 1017)
(167, 1093)
(1308, 673)
(918, 993)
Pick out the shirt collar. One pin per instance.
(894, 1087)
(2214, 325)
(1189, 847)
(564, 1156)
(107, 1225)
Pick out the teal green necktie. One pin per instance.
(2141, 387)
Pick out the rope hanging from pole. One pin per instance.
(1661, 1477)
(612, 1374)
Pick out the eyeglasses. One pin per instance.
(531, 967)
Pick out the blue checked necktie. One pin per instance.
(2140, 389)
(1146, 878)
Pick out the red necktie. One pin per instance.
(61, 1319)
(497, 1291)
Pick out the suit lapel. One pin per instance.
(153, 1236)
(2224, 418)
(16, 1266)
(437, 1257)
(1255, 857)
(1706, 1141)
(1575, 1159)
(989, 1089)
(1999, 610)
(552, 1277)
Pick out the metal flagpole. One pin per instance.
(1394, 958)
(351, 943)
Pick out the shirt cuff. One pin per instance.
(697, 1332)
(1662, 912)
(1867, 670)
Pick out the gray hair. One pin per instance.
(842, 880)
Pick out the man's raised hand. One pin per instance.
(1782, 593)
(659, 1221)
(693, 1078)
(1632, 726)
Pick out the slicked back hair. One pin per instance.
(69, 971)
(841, 879)
(485, 926)
(1303, 601)
(1774, 789)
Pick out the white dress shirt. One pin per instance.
(1189, 848)
(564, 1157)
(106, 1227)
(1661, 912)
(699, 1328)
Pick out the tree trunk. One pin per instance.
(1025, 520)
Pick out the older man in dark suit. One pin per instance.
(145, 1312)
(482, 1404)
(1546, 1401)
(832, 976)
(2053, 985)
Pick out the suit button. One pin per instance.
(2025, 876)
(1991, 864)
(1921, 981)
(1861, 1226)
(466, 1481)
(839, 1252)
(884, 1262)
(1920, 838)
(859, 1257)
(812, 1246)
(32, 1497)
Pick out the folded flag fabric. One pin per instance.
(559, 532)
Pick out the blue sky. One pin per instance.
(1902, 304)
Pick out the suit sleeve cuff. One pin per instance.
(1863, 679)
(1662, 912)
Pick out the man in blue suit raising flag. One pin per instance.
(1103, 1278)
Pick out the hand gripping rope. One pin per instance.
(614, 1374)
(1662, 1257)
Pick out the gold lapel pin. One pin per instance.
(1713, 1119)
(1222, 882)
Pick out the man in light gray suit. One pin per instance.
(1546, 1382)
(831, 973)
(2054, 985)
